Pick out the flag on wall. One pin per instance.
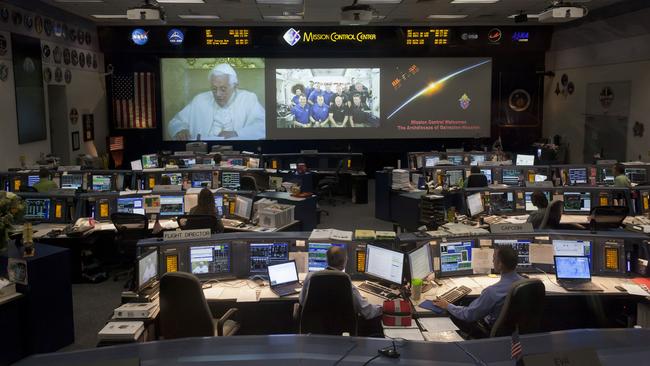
(134, 104)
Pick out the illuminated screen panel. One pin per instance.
(427, 37)
(227, 37)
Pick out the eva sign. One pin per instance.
(187, 234)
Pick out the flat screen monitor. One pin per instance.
(606, 175)
(475, 204)
(431, 161)
(636, 175)
(282, 273)
(578, 176)
(317, 255)
(149, 161)
(171, 205)
(201, 179)
(71, 181)
(32, 179)
(420, 262)
(455, 176)
(130, 205)
(574, 248)
(189, 162)
(525, 160)
(488, 175)
(235, 162)
(572, 268)
(502, 201)
(147, 269)
(243, 207)
(511, 176)
(37, 208)
(476, 159)
(230, 180)
(293, 166)
(218, 204)
(577, 202)
(384, 263)
(540, 178)
(455, 159)
(455, 256)
(210, 259)
(529, 202)
(101, 183)
(262, 255)
(521, 247)
(175, 178)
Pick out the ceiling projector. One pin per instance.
(356, 14)
(561, 14)
(146, 11)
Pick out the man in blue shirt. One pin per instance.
(486, 307)
(297, 91)
(309, 89)
(320, 112)
(301, 113)
(315, 93)
(328, 93)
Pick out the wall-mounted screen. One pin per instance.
(213, 98)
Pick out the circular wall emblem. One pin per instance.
(38, 24)
(66, 56)
(4, 14)
(495, 35)
(89, 59)
(139, 36)
(67, 76)
(519, 100)
(57, 54)
(175, 37)
(74, 57)
(4, 72)
(47, 27)
(58, 75)
(74, 116)
(571, 87)
(47, 75)
(81, 35)
(72, 35)
(88, 38)
(46, 51)
(82, 59)
(3, 45)
(29, 22)
(58, 29)
(17, 18)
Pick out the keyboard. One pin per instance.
(455, 294)
(579, 286)
(231, 223)
(286, 290)
(377, 290)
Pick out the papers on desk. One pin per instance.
(437, 324)
(410, 334)
(330, 234)
(213, 292)
(482, 260)
(521, 219)
(574, 219)
(634, 289)
(541, 253)
(447, 336)
(247, 294)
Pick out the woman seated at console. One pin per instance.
(539, 200)
(206, 206)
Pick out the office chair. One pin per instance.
(192, 222)
(552, 216)
(607, 217)
(523, 309)
(248, 183)
(328, 307)
(329, 184)
(477, 181)
(24, 188)
(130, 228)
(184, 312)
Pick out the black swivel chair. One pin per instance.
(23, 188)
(329, 184)
(184, 312)
(248, 183)
(328, 307)
(552, 216)
(193, 222)
(607, 217)
(523, 309)
(477, 181)
(130, 228)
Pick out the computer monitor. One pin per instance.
(384, 264)
(32, 179)
(431, 161)
(455, 176)
(201, 179)
(37, 208)
(578, 176)
(502, 201)
(540, 178)
(171, 206)
(476, 159)
(189, 162)
(101, 183)
(525, 160)
(218, 204)
(282, 273)
(262, 255)
(230, 180)
(175, 178)
(456, 257)
(210, 259)
(521, 247)
(529, 202)
(636, 175)
(420, 262)
(235, 162)
(572, 268)
(475, 204)
(243, 207)
(607, 175)
(577, 202)
(130, 205)
(455, 159)
(147, 269)
(488, 175)
(575, 248)
(317, 255)
(149, 161)
(71, 181)
(510, 176)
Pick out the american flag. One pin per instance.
(516, 350)
(116, 143)
(134, 104)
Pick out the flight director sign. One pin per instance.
(293, 37)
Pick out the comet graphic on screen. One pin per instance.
(435, 86)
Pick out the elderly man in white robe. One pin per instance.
(225, 112)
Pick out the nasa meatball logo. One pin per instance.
(175, 37)
(291, 36)
(140, 37)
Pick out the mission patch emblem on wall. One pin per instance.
(66, 56)
(139, 36)
(464, 101)
(57, 54)
(519, 100)
(4, 14)
(495, 35)
(58, 75)
(4, 72)
(47, 75)
(175, 37)
(3, 45)
(291, 36)
(67, 76)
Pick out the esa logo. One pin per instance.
(140, 37)
(175, 37)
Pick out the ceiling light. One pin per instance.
(279, 2)
(447, 16)
(283, 17)
(378, 2)
(109, 16)
(198, 16)
(182, 1)
(474, 1)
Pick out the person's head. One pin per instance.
(311, 83)
(223, 81)
(538, 199)
(338, 101)
(505, 259)
(297, 89)
(44, 173)
(358, 87)
(356, 99)
(302, 100)
(317, 86)
(339, 89)
(206, 202)
(165, 180)
(619, 169)
(328, 86)
(337, 257)
(320, 100)
(475, 169)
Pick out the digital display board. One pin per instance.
(431, 36)
(227, 37)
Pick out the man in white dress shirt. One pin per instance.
(225, 112)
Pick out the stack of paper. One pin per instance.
(386, 235)
(401, 179)
(330, 234)
(7, 288)
(365, 234)
(121, 331)
(137, 310)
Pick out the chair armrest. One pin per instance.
(223, 320)
(296, 311)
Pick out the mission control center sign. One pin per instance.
(293, 37)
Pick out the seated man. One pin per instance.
(45, 184)
(486, 307)
(476, 179)
(337, 257)
(539, 200)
